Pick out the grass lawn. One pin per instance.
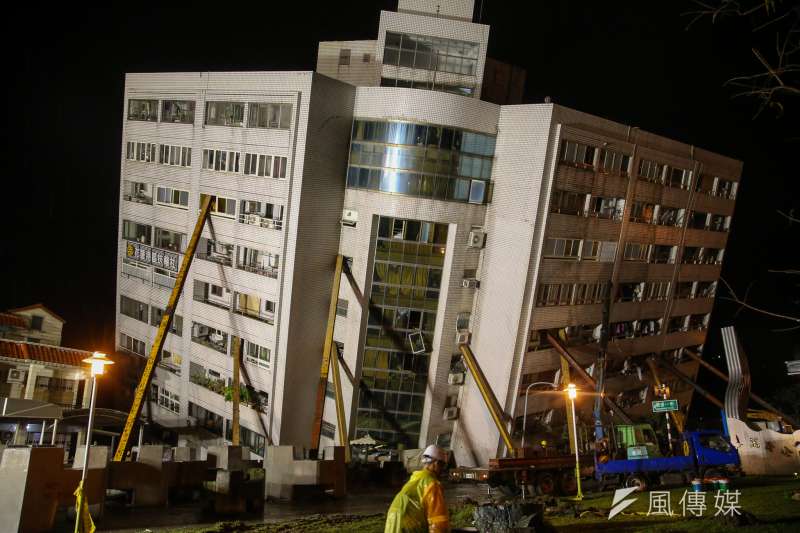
(768, 499)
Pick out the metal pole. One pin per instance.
(525, 414)
(141, 439)
(55, 428)
(82, 497)
(577, 457)
(41, 435)
(669, 428)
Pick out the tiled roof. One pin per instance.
(8, 319)
(37, 306)
(44, 353)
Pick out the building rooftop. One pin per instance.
(38, 306)
(45, 353)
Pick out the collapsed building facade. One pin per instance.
(462, 220)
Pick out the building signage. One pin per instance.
(663, 406)
(152, 256)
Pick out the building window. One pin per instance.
(221, 160)
(258, 261)
(678, 178)
(663, 254)
(172, 197)
(556, 294)
(141, 151)
(216, 251)
(177, 156)
(136, 191)
(590, 293)
(146, 110)
(344, 57)
(706, 289)
(210, 337)
(133, 308)
(341, 307)
(430, 53)
(36, 322)
(252, 306)
(170, 240)
(169, 400)
(225, 114)
(724, 188)
(612, 162)
(651, 171)
(221, 206)
(261, 214)
(133, 231)
(670, 216)
(630, 292)
(562, 248)
(255, 354)
(212, 294)
(270, 116)
(676, 324)
(419, 160)
(264, 165)
(656, 290)
(568, 203)
(178, 111)
(643, 212)
(156, 314)
(611, 208)
(206, 419)
(635, 251)
(366, 58)
(132, 345)
(578, 154)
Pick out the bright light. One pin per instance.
(572, 392)
(98, 361)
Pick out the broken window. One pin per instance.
(698, 220)
(663, 254)
(679, 178)
(606, 207)
(630, 292)
(670, 216)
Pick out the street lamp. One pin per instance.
(525, 414)
(98, 362)
(572, 392)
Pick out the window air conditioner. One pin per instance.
(470, 283)
(349, 218)
(16, 376)
(450, 413)
(462, 336)
(455, 378)
(477, 239)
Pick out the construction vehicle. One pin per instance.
(636, 461)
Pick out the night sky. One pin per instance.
(636, 65)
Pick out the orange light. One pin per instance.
(98, 361)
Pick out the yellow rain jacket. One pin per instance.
(419, 507)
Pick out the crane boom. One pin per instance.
(163, 329)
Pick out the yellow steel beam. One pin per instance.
(341, 425)
(316, 429)
(163, 330)
(488, 397)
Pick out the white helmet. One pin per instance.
(434, 453)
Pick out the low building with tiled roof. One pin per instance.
(33, 323)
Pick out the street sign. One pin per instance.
(663, 406)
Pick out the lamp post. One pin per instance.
(525, 414)
(98, 362)
(572, 393)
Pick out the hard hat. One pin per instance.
(434, 453)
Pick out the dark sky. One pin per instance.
(637, 65)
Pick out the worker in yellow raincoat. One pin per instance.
(419, 507)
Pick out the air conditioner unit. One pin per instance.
(253, 219)
(216, 337)
(470, 283)
(349, 217)
(477, 239)
(455, 378)
(450, 413)
(462, 336)
(16, 376)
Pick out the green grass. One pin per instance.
(766, 498)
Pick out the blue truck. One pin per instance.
(635, 459)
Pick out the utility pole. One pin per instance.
(600, 363)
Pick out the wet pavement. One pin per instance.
(125, 519)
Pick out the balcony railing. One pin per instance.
(170, 367)
(216, 385)
(258, 220)
(214, 257)
(163, 280)
(216, 302)
(270, 272)
(138, 198)
(262, 316)
(219, 345)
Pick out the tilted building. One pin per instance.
(462, 220)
